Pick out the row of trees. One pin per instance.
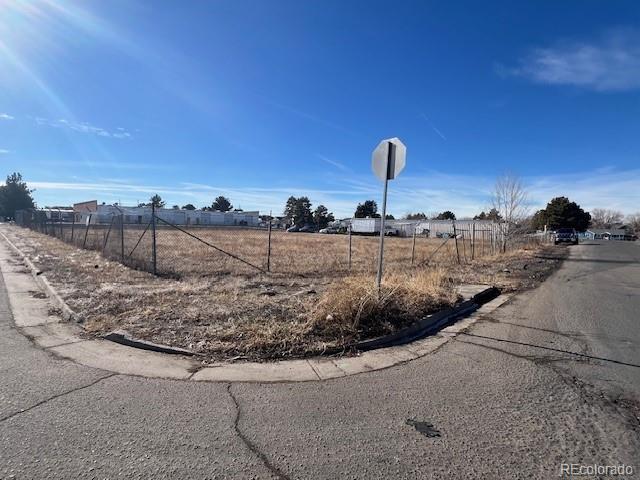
(297, 211)
(370, 209)
(511, 205)
(509, 197)
(446, 215)
(220, 204)
(509, 201)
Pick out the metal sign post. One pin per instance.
(391, 157)
(387, 161)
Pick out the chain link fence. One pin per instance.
(156, 245)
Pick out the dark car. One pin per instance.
(307, 229)
(295, 228)
(566, 235)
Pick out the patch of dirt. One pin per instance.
(513, 271)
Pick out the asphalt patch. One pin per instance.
(425, 428)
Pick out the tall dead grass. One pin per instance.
(353, 305)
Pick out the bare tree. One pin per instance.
(604, 217)
(509, 198)
(634, 222)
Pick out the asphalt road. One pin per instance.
(551, 377)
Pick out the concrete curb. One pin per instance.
(123, 338)
(32, 318)
(432, 323)
(43, 282)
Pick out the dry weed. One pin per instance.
(353, 305)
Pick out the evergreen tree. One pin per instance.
(367, 209)
(14, 195)
(561, 212)
(221, 204)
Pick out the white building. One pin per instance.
(428, 228)
(142, 215)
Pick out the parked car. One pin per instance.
(328, 230)
(566, 235)
(307, 229)
(295, 228)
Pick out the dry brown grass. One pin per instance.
(227, 313)
(354, 306)
(291, 253)
(181, 255)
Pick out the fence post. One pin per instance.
(491, 239)
(86, 232)
(61, 231)
(106, 237)
(464, 245)
(413, 247)
(73, 226)
(349, 255)
(269, 245)
(122, 238)
(473, 241)
(153, 236)
(495, 239)
(455, 237)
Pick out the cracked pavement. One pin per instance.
(551, 377)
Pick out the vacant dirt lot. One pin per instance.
(236, 313)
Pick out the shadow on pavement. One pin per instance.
(591, 260)
(570, 334)
(583, 355)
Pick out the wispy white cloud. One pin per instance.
(609, 188)
(432, 192)
(433, 127)
(263, 199)
(3, 151)
(6, 116)
(90, 164)
(332, 162)
(610, 64)
(309, 116)
(84, 127)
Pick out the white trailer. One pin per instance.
(365, 226)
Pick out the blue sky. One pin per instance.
(259, 100)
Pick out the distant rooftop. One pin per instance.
(610, 231)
